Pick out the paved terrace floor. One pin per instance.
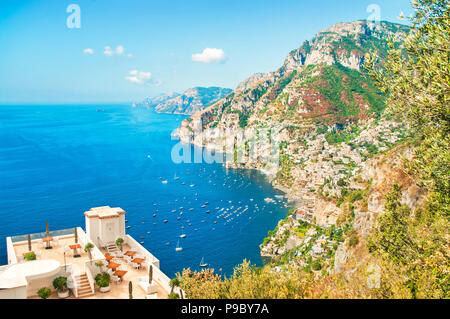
(120, 290)
(56, 253)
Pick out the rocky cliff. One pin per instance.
(189, 102)
(313, 126)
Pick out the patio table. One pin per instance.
(75, 247)
(47, 240)
(120, 274)
(138, 261)
(113, 265)
(108, 257)
(130, 253)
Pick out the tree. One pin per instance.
(130, 290)
(175, 282)
(99, 264)
(417, 84)
(119, 242)
(87, 249)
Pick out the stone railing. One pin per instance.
(134, 245)
(12, 258)
(84, 239)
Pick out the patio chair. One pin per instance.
(56, 241)
(38, 255)
(20, 258)
(127, 258)
(115, 279)
(135, 265)
(119, 254)
(40, 243)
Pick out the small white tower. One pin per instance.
(105, 224)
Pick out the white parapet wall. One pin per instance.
(12, 258)
(84, 239)
(158, 275)
(141, 250)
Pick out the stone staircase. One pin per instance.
(112, 249)
(84, 288)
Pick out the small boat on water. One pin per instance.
(178, 248)
(202, 263)
(183, 236)
(192, 185)
(165, 220)
(164, 182)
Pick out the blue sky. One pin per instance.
(152, 44)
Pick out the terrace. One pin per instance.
(61, 253)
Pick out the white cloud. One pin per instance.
(210, 55)
(88, 51)
(138, 77)
(119, 50)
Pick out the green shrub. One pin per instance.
(316, 265)
(29, 256)
(174, 295)
(44, 293)
(103, 279)
(60, 284)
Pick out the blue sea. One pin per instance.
(58, 161)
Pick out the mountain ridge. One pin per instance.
(326, 116)
(190, 101)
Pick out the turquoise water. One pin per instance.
(58, 161)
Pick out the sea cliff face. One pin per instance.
(324, 115)
(189, 102)
(314, 127)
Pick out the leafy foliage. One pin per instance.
(44, 292)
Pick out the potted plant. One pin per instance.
(60, 284)
(29, 256)
(44, 293)
(119, 242)
(102, 280)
